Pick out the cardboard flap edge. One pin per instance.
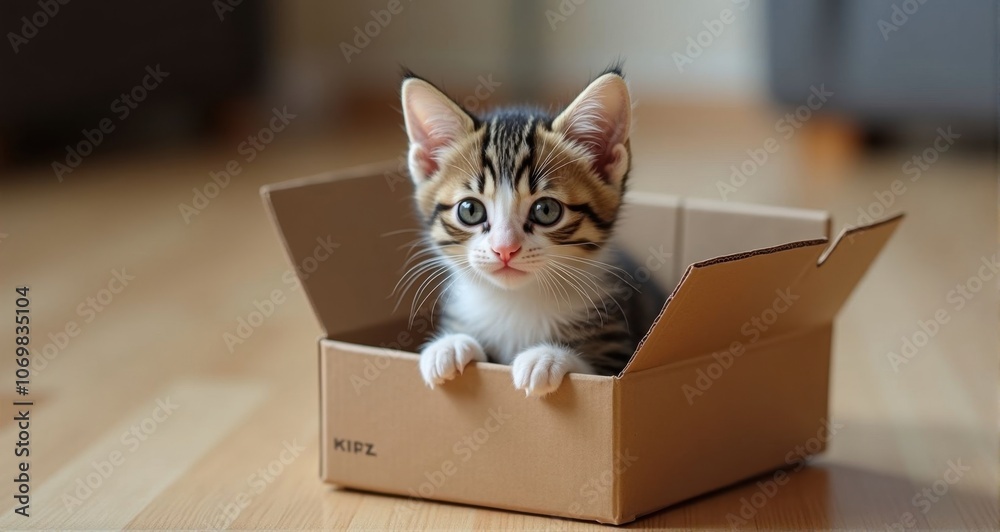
(642, 359)
(891, 223)
(271, 195)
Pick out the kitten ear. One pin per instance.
(599, 120)
(433, 122)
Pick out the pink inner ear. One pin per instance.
(599, 121)
(433, 122)
(598, 136)
(426, 163)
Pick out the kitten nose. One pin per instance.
(506, 251)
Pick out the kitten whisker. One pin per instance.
(464, 171)
(556, 286)
(588, 284)
(452, 283)
(471, 166)
(601, 288)
(401, 231)
(426, 283)
(428, 267)
(541, 168)
(604, 266)
(428, 270)
(423, 286)
(544, 284)
(562, 165)
(578, 285)
(592, 244)
(416, 269)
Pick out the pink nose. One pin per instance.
(506, 251)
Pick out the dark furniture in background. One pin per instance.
(936, 68)
(67, 76)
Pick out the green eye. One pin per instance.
(545, 211)
(471, 212)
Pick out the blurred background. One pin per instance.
(337, 64)
(136, 136)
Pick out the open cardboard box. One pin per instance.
(729, 381)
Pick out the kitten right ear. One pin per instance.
(433, 122)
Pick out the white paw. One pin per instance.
(444, 358)
(539, 370)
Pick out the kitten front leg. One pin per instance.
(443, 359)
(539, 370)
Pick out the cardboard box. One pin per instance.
(731, 379)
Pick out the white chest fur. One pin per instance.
(507, 322)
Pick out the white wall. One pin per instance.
(453, 42)
(647, 33)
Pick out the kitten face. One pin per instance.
(518, 197)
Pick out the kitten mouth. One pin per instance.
(508, 270)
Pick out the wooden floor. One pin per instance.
(148, 404)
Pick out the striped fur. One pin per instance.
(567, 305)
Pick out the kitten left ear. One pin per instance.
(599, 120)
(433, 122)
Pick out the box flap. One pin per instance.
(840, 269)
(729, 303)
(347, 255)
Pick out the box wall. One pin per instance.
(688, 436)
(545, 457)
(711, 228)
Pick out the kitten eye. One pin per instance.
(471, 212)
(545, 211)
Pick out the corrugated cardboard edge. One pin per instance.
(266, 192)
(850, 231)
(617, 489)
(717, 260)
(807, 268)
(322, 407)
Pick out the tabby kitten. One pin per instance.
(519, 206)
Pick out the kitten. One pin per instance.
(519, 206)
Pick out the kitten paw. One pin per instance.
(445, 358)
(540, 370)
